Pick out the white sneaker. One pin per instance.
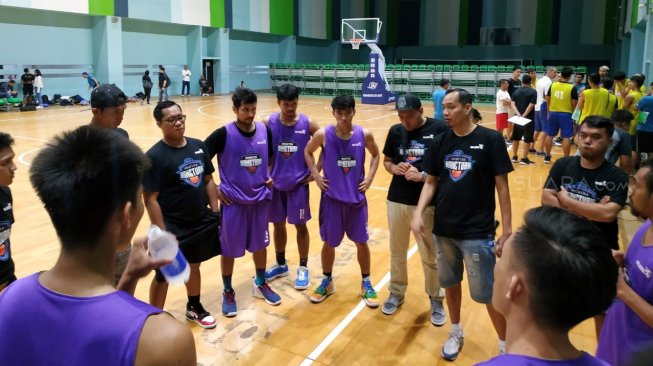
(452, 346)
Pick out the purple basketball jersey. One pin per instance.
(289, 166)
(344, 165)
(521, 360)
(624, 332)
(59, 332)
(243, 166)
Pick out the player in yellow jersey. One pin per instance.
(561, 101)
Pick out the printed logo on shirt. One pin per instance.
(414, 153)
(200, 151)
(581, 192)
(645, 270)
(357, 144)
(428, 137)
(477, 147)
(5, 232)
(458, 164)
(7, 208)
(287, 148)
(346, 163)
(301, 132)
(251, 162)
(191, 172)
(261, 142)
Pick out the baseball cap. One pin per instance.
(106, 96)
(408, 102)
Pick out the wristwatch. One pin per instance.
(424, 174)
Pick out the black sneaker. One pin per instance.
(540, 153)
(547, 159)
(526, 161)
(514, 159)
(532, 151)
(200, 317)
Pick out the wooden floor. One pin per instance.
(340, 331)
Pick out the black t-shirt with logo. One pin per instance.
(513, 85)
(466, 168)
(419, 142)
(590, 185)
(6, 220)
(178, 175)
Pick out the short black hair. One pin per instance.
(158, 110)
(649, 176)
(84, 73)
(82, 177)
(516, 68)
(596, 121)
(463, 95)
(622, 116)
(444, 82)
(476, 114)
(608, 83)
(5, 140)
(243, 96)
(342, 102)
(25, 70)
(501, 81)
(287, 92)
(566, 72)
(563, 253)
(638, 79)
(620, 75)
(526, 79)
(595, 78)
(581, 74)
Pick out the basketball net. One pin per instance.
(356, 43)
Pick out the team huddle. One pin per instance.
(554, 271)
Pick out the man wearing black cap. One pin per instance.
(404, 150)
(108, 104)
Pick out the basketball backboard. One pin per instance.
(360, 30)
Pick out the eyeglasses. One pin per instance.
(173, 120)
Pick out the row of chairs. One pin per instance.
(422, 80)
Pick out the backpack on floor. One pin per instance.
(28, 108)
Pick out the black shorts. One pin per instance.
(644, 141)
(28, 89)
(525, 131)
(199, 241)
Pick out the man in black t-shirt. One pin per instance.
(524, 100)
(27, 79)
(7, 169)
(404, 150)
(464, 167)
(588, 185)
(514, 83)
(164, 83)
(180, 197)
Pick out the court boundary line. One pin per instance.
(326, 342)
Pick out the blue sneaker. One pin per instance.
(369, 294)
(276, 271)
(265, 292)
(301, 283)
(229, 308)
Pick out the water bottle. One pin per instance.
(164, 245)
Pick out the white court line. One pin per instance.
(21, 157)
(379, 188)
(348, 319)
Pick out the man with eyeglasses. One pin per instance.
(180, 197)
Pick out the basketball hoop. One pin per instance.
(356, 43)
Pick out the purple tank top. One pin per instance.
(244, 166)
(344, 165)
(42, 327)
(289, 166)
(624, 332)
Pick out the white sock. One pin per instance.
(367, 278)
(456, 329)
(502, 347)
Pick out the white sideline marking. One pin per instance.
(348, 319)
